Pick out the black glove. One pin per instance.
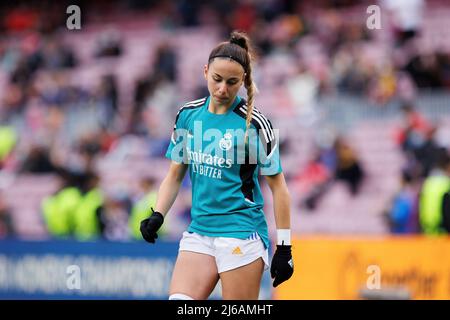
(282, 266)
(150, 226)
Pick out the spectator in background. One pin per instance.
(38, 161)
(107, 139)
(417, 139)
(165, 63)
(109, 44)
(384, 84)
(22, 73)
(427, 153)
(89, 147)
(59, 209)
(145, 200)
(154, 93)
(444, 63)
(88, 222)
(188, 10)
(8, 140)
(427, 70)
(432, 196)
(107, 97)
(313, 181)
(414, 129)
(406, 16)
(352, 70)
(114, 218)
(303, 88)
(47, 54)
(54, 55)
(348, 166)
(6, 225)
(143, 89)
(446, 212)
(403, 214)
(77, 210)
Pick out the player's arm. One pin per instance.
(167, 194)
(170, 186)
(282, 266)
(281, 200)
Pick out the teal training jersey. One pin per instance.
(224, 167)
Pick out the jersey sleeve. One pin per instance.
(177, 147)
(268, 150)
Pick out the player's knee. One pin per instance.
(180, 296)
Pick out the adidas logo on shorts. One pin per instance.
(237, 250)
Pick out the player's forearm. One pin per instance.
(282, 207)
(167, 194)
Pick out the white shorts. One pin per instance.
(230, 253)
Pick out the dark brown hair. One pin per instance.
(239, 49)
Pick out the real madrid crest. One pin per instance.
(225, 143)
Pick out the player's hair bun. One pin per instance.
(239, 39)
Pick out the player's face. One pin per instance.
(224, 78)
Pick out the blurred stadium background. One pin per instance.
(86, 115)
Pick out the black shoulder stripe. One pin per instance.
(267, 122)
(267, 144)
(262, 126)
(243, 115)
(189, 105)
(264, 122)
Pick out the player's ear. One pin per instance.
(205, 71)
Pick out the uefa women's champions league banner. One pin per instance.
(91, 270)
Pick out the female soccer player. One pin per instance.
(224, 141)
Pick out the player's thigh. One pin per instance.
(242, 283)
(195, 274)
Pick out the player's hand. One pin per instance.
(282, 266)
(150, 226)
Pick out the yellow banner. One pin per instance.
(363, 268)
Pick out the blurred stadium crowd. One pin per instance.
(86, 115)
